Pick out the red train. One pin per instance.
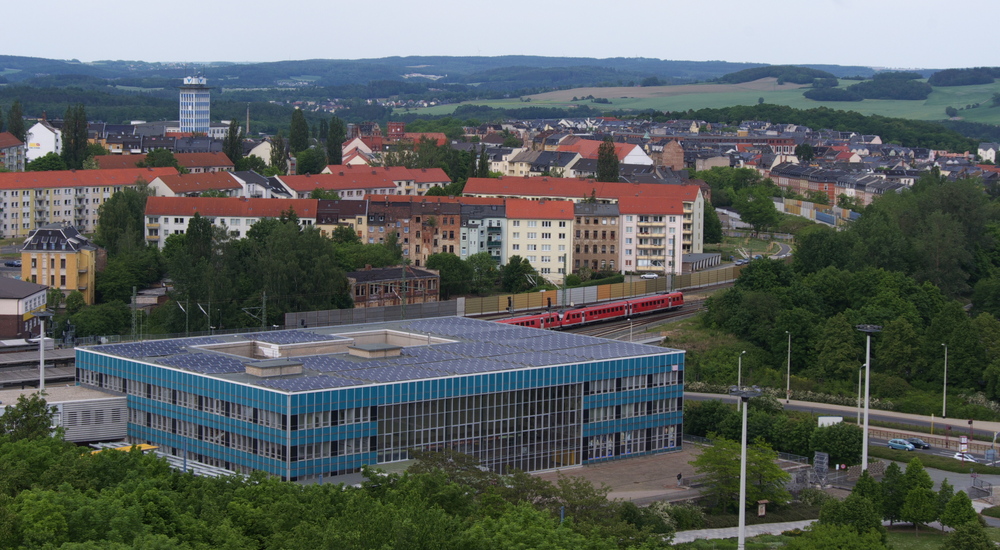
(610, 311)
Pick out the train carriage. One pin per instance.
(602, 312)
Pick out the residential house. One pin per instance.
(195, 163)
(29, 200)
(596, 235)
(171, 215)
(193, 185)
(331, 214)
(420, 226)
(42, 138)
(542, 232)
(988, 151)
(11, 152)
(58, 256)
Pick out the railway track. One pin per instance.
(618, 330)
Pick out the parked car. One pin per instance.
(12, 263)
(964, 457)
(919, 443)
(900, 444)
(649, 276)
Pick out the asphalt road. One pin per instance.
(958, 426)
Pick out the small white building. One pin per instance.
(42, 139)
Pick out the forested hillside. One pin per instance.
(909, 264)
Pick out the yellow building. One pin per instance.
(60, 257)
(542, 233)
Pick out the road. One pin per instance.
(958, 427)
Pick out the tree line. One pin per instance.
(54, 494)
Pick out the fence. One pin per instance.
(329, 317)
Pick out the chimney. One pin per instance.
(368, 267)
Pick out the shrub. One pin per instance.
(573, 280)
(813, 497)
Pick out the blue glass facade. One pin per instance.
(532, 411)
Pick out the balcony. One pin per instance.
(493, 230)
(82, 270)
(649, 224)
(493, 244)
(152, 226)
(152, 238)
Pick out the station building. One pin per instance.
(313, 402)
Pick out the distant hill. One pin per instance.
(501, 72)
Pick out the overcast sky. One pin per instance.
(879, 33)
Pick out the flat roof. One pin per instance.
(439, 347)
(57, 394)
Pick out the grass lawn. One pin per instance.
(753, 246)
(903, 536)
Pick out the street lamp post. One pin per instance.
(744, 395)
(861, 369)
(868, 330)
(788, 376)
(42, 316)
(944, 395)
(739, 374)
(629, 329)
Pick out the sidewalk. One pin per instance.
(733, 532)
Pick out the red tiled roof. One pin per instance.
(187, 160)
(588, 148)
(80, 178)
(650, 205)
(8, 139)
(229, 207)
(436, 199)
(438, 137)
(539, 210)
(395, 173)
(573, 188)
(359, 179)
(196, 183)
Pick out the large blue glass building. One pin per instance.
(324, 401)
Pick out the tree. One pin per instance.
(46, 162)
(842, 441)
(916, 476)
(102, 319)
(121, 220)
(232, 143)
(455, 274)
(857, 512)
(757, 209)
(343, 234)
(944, 495)
(311, 160)
(720, 465)
(324, 194)
(298, 132)
(919, 507)
(335, 141)
(853, 204)
(959, 511)
(969, 536)
(159, 158)
(251, 163)
(279, 157)
(607, 161)
(74, 136)
(835, 537)
(483, 168)
(517, 275)
(75, 302)
(867, 487)
(15, 120)
(950, 111)
(53, 298)
(484, 272)
(894, 490)
(29, 418)
(712, 232)
(804, 152)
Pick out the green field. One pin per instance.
(675, 98)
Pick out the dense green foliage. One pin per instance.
(900, 266)
(964, 77)
(784, 73)
(832, 94)
(56, 495)
(891, 88)
(607, 161)
(719, 464)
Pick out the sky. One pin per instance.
(878, 33)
